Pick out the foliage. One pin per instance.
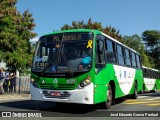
(151, 39)
(109, 30)
(15, 33)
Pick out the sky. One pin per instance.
(128, 16)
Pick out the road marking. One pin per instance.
(144, 100)
(142, 96)
(140, 102)
(154, 98)
(157, 104)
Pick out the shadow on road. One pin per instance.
(152, 94)
(30, 105)
(49, 106)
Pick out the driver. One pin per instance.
(85, 61)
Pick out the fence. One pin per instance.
(23, 84)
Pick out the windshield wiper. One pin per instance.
(66, 61)
(64, 57)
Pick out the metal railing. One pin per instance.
(23, 84)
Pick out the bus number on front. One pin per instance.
(71, 81)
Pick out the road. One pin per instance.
(149, 102)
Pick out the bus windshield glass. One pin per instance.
(65, 52)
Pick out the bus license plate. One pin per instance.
(55, 94)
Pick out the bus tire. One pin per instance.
(143, 89)
(135, 94)
(110, 98)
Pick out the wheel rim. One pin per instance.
(109, 94)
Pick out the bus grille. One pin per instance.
(59, 87)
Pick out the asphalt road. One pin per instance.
(145, 104)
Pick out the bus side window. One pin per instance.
(100, 59)
(120, 55)
(110, 52)
(138, 61)
(100, 52)
(133, 60)
(128, 60)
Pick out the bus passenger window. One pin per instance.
(100, 61)
(100, 51)
(120, 55)
(138, 61)
(128, 60)
(110, 52)
(133, 60)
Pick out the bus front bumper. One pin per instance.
(82, 96)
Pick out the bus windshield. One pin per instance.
(66, 52)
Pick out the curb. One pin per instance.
(14, 96)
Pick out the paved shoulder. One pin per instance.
(13, 96)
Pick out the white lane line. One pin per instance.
(154, 98)
(142, 96)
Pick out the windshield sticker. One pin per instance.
(53, 69)
(86, 60)
(41, 64)
(39, 59)
(89, 44)
(44, 59)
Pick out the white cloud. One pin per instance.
(34, 40)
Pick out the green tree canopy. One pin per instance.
(109, 30)
(16, 30)
(151, 40)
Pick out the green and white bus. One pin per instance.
(151, 79)
(84, 66)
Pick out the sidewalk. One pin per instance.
(10, 96)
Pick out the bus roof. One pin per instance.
(73, 30)
(91, 30)
(149, 68)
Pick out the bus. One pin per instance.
(151, 79)
(84, 66)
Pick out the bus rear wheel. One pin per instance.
(109, 101)
(154, 89)
(143, 89)
(135, 94)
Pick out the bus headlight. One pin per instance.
(85, 82)
(33, 82)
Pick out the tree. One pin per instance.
(16, 30)
(135, 42)
(109, 30)
(151, 40)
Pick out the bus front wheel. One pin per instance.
(109, 101)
